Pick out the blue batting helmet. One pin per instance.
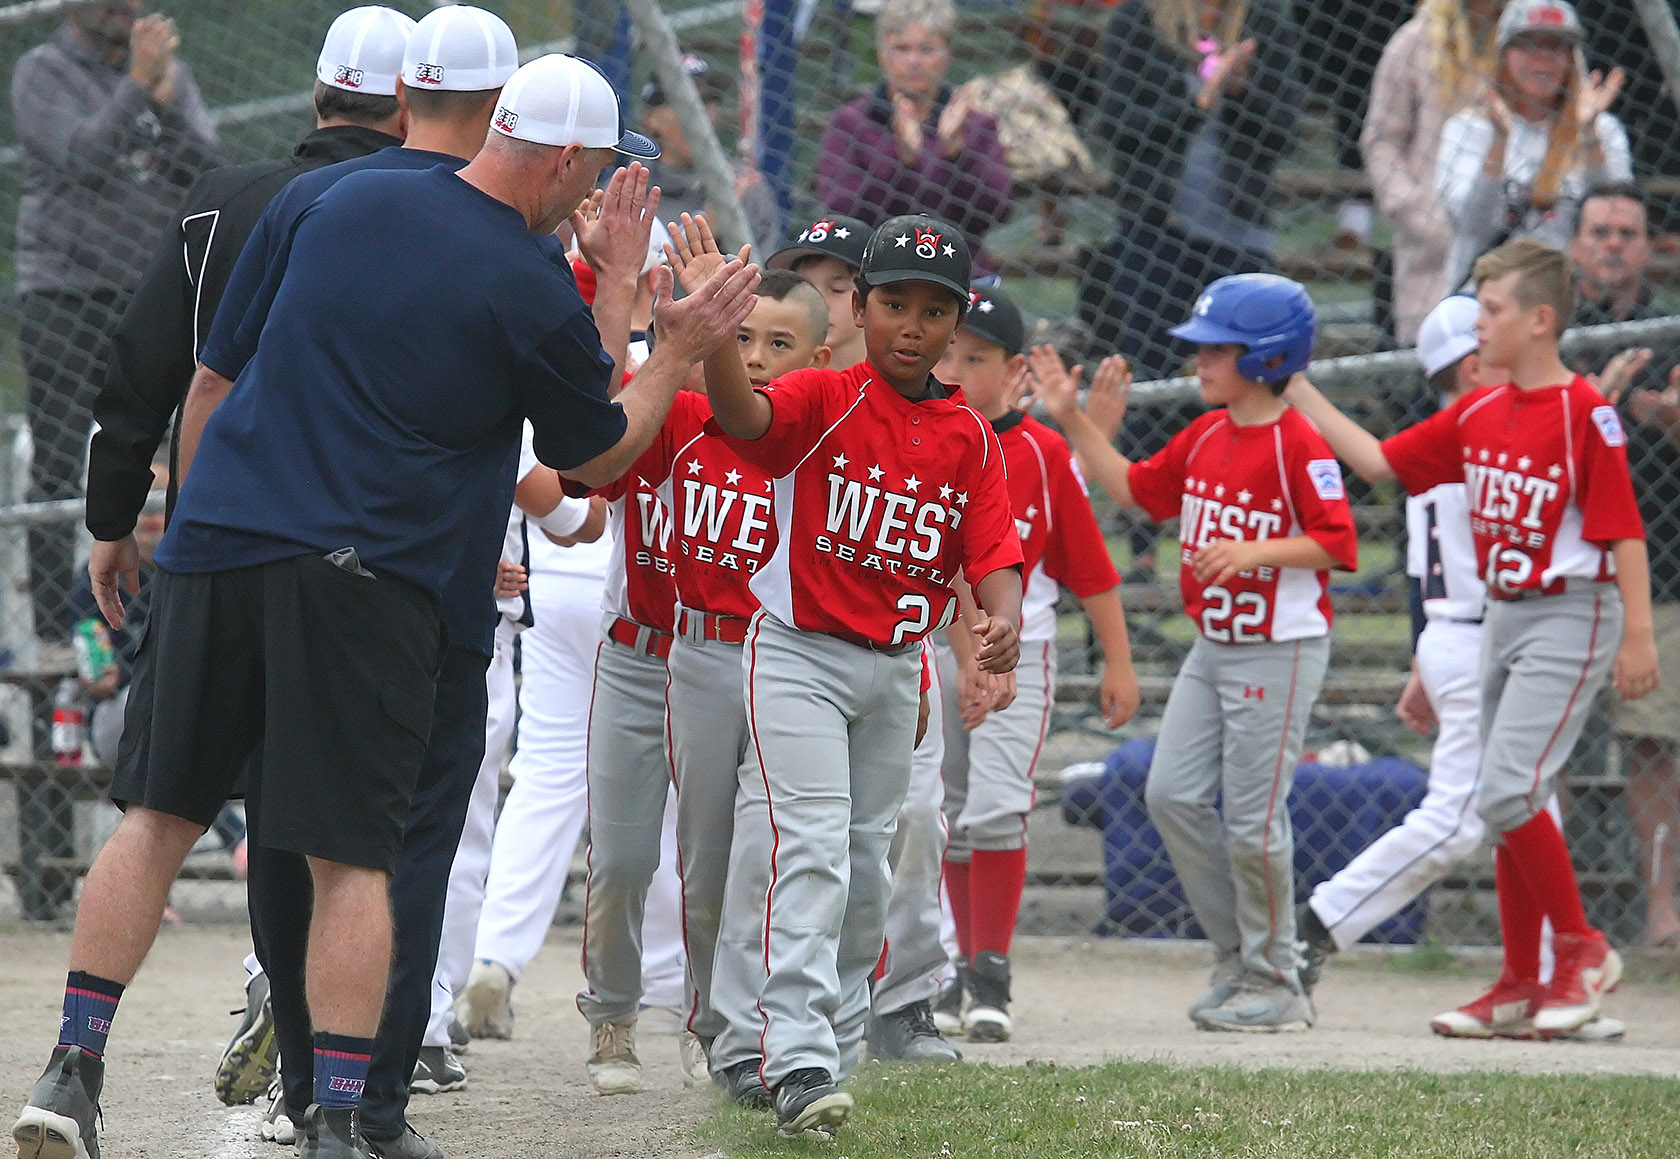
(1270, 315)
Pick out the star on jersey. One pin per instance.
(1502, 458)
(1244, 496)
(732, 478)
(694, 466)
(1484, 455)
(1219, 491)
(840, 461)
(945, 491)
(1523, 463)
(1277, 504)
(875, 473)
(1189, 482)
(962, 498)
(1554, 471)
(1201, 486)
(912, 484)
(1032, 512)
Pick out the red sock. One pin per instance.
(996, 877)
(1543, 860)
(956, 888)
(1520, 919)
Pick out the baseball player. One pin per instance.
(885, 487)
(542, 514)
(1263, 518)
(989, 771)
(595, 708)
(827, 254)
(1561, 549)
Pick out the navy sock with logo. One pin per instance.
(341, 1068)
(90, 1003)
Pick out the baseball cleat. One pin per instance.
(437, 1070)
(808, 1103)
(909, 1034)
(61, 1120)
(987, 1018)
(252, 1055)
(1260, 1005)
(614, 1068)
(1587, 969)
(1505, 1011)
(1227, 976)
(486, 1005)
(277, 1125)
(459, 1039)
(691, 1057)
(948, 1007)
(1316, 946)
(1600, 1029)
(745, 1085)
(411, 1144)
(331, 1133)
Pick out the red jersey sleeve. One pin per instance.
(1320, 496)
(1604, 488)
(1075, 552)
(1157, 483)
(1430, 453)
(800, 411)
(989, 541)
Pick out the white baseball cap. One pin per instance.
(363, 51)
(460, 49)
(564, 100)
(1448, 333)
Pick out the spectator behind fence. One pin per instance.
(1517, 165)
(1199, 104)
(113, 131)
(911, 146)
(1437, 64)
(674, 171)
(1612, 251)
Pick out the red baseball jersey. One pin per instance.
(879, 502)
(719, 504)
(1271, 481)
(1060, 541)
(639, 580)
(1547, 476)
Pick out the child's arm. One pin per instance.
(978, 693)
(1059, 392)
(1353, 444)
(1224, 558)
(694, 256)
(1118, 695)
(1635, 673)
(998, 629)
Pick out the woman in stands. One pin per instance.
(1516, 166)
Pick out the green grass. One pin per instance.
(1150, 1109)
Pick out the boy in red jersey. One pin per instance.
(1562, 551)
(1263, 517)
(989, 771)
(884, 489)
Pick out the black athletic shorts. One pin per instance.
(325, 675)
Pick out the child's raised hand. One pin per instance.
(1105, 405)
(693, 252)
(1052, 384)
(1223, 558)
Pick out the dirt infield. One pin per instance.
(1076, 1002)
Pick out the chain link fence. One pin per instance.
(1106, 161)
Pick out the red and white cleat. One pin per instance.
(1587, 969)
(1505, 1011)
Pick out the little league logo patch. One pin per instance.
(1326, 476)
(347, 77)
(506, 119)
(429, 74)
(1609, 425)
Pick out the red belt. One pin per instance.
(640, 637)
(723, 629)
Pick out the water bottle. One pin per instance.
(69, 722)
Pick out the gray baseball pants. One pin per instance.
(833, 726)
(1544, 659)
(989, 771)
(1234, 725)
(629, 780)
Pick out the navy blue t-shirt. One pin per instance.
(415, 321)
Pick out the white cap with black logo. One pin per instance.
(363, 51)
(460, 49)
(564, 100)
